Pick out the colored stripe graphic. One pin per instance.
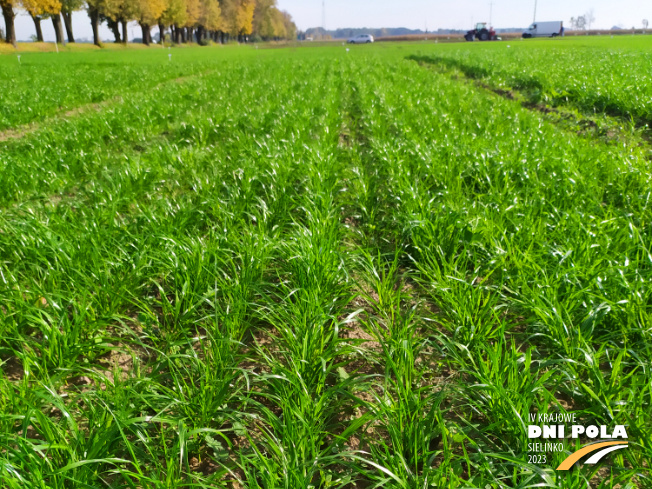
(595, 458)
(568, 463)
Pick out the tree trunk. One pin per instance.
(114, 28)
(67, 21)
(37, 26)
(9, 16)
(161, 33)
(182, 31)
(189, 34)
(58, 28)
(124, 31)
(146, 31)
(94, 15)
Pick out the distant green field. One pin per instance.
(324, 267)
(603, 74)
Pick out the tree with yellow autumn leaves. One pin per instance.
(187, 20)
(39, 10)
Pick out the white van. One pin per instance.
(545, 29)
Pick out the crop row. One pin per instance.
(530, 247)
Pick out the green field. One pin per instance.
(321, 267)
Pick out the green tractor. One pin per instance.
(481, 33)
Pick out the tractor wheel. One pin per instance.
(484, 35)
(468, 37)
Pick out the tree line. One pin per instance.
(183, 20)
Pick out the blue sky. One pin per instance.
(460, 14)
(415, 14)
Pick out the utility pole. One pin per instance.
(535, 11)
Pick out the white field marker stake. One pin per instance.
(56, 46)
(18, 56)
(170, 57)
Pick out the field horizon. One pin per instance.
(29, 46)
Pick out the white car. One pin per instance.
(361, 39)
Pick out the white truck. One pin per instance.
(545, 29)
